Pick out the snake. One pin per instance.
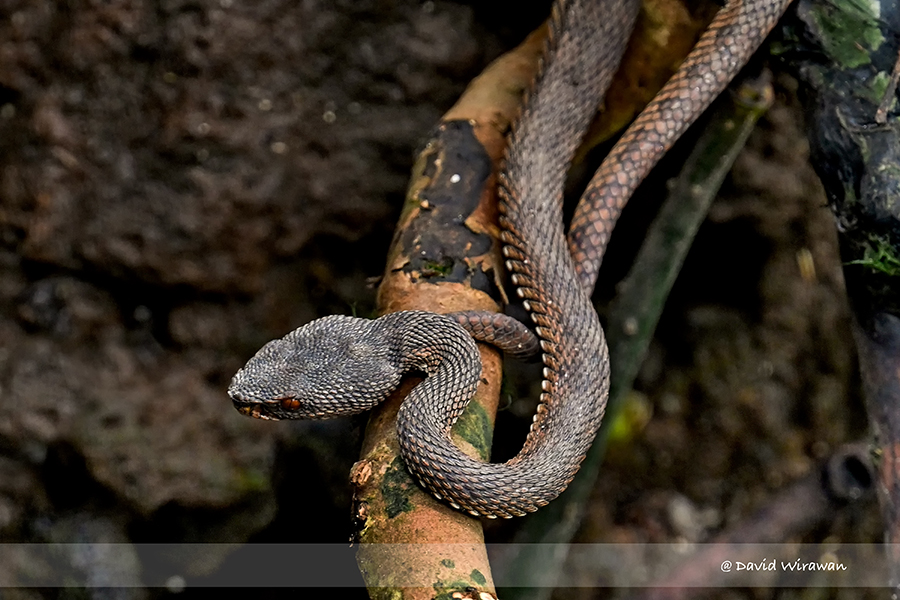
(339, 365)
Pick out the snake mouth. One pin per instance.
(257, 411)
(250, 407)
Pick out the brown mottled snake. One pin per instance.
(341, 365)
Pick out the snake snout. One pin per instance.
(251, 406)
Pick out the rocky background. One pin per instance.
(182, 181)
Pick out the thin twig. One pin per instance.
(847, 476)
(879, 363)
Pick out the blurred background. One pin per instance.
(183, 180)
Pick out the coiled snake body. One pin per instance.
(341, 365)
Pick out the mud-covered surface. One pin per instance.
(183, 181)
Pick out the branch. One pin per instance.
(847, 59)
(444, 258)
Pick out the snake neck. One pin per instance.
(439, 347)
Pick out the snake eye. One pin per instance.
(290, 403)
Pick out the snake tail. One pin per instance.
(735, 33)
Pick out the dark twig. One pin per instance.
(890, 94)
(634, 315)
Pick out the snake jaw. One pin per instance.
(265, 410)
(257, 411)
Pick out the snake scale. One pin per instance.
(342, 365)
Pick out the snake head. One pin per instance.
(330, 367)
